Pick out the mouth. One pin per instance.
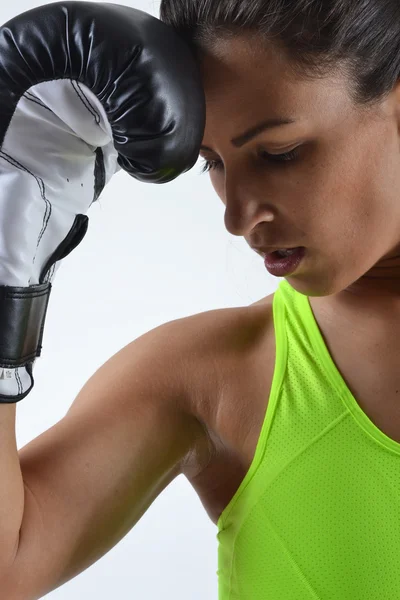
(276, 252)
(284, 252)
(286, 264)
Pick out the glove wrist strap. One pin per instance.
(22, 317)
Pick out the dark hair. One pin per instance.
(360, 38)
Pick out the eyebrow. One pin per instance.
(243, 139)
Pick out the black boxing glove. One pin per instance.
(86, 89)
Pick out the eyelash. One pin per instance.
(215, 165)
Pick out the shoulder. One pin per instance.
(266, 301)
(207, 341)
(200, 353)
(222, 350)
(212, 340)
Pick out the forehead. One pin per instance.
(247, 80)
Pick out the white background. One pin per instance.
(152, 254)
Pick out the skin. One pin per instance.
(340, 198)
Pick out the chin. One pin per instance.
(315, 287)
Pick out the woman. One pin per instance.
(316, 514)
(291, 436)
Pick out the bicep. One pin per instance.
(90, 477)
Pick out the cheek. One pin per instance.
(356, 198)
(372, 172)
(217, 181)
(373, 185)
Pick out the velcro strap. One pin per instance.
(22, 317)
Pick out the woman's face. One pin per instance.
(339, 197)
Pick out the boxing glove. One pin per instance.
(86, 89)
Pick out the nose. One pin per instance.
(244, 209)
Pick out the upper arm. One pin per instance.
(90, 477)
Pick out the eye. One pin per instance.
(210, 165)
(215, 165)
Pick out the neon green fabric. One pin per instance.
(317, 516)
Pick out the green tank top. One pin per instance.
(317, 516)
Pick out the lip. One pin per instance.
(282, 267)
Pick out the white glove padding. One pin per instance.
(85, 89)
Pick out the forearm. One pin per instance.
(11, 487)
